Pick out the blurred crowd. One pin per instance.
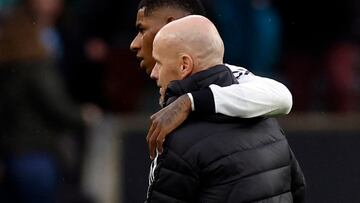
(66, 64)
(312, 47)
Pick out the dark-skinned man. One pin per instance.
(253, 96)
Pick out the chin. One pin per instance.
(148, 71)
(145, 68)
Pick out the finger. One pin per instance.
(159, 142)
(151, 130)
(152, 142)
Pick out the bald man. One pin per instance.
(216, 158)
(196, 57)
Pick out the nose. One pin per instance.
(135, 44)
(155, 72)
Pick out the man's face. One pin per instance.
(167, 67)
(147, 26)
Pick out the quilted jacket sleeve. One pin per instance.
(297, 180)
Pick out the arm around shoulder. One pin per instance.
(257, 96)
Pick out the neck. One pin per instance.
(206, 65)
(219, 75)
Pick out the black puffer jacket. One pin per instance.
(223, 159)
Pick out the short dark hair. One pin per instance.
(193, 7)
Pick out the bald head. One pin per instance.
(195, 36)
(184, 47)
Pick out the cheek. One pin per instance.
(166, 76)
(147, 46)
(148, 40)
(163, 77)
(139, 40)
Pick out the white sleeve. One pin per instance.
(253, 96)
(192, 101)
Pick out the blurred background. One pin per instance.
(74, 106)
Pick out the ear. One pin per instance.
(170, 19)
(187, 66)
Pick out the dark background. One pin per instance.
(310, 46)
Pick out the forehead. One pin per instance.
(155, 16)
(164, 49)
(157, 47)
(140, 15)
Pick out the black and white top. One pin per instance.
(253, 96)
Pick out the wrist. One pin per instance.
(185, 103)
(204, 101)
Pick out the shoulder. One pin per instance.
(197, 135)
(241, 73)
(239, 70)
(187, 135)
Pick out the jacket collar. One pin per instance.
(219, 75)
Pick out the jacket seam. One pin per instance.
(244, 150)
(268, 197)
(184, 160)
(177, 172)
(253, 174)
(169, 196)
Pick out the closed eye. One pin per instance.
(140, 29)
